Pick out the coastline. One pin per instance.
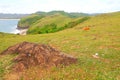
(9, 25)
(18, 30)
(22, 31)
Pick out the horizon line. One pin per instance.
(60, 10)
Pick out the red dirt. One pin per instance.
(86, 28)
(31, 54)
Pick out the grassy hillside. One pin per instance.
(53, 19)
(58, 20)
(103, 20)
(29, 20)
(71, 15)
(103, 38)
(54, 23)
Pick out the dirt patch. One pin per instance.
(86, 28)
(31, 54)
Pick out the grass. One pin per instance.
(58, 20)
(42, 22)
(29, 20)
(102, 38)
(53, 27)
(47, 18)
(5, 64)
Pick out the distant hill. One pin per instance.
(12, 16)
(72, 15)
(42, 21)
(53, 21)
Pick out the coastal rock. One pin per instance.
(31, 54)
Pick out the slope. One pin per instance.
(102, 39)
(48, 20)
(57, 20)
(27, 21)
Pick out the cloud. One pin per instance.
(31, 6)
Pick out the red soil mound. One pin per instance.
(31, 54)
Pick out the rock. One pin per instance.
(31, 54)
(95, 56)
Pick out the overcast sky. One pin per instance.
(85, 6)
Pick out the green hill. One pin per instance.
(103, 39)
(57, 20)
(54, 23)
(53, 19)
(27, 21)
(72, 15)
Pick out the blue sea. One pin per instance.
(9, 25)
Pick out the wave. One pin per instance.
(15, 30)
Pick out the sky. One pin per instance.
(84, 6)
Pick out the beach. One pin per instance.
(23, 31)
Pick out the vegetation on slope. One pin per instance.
(28, 20)
(51, 21)
(54, 25)
(43, 19)
(103, 38)
(71, 15)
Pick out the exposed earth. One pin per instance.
(32, 54)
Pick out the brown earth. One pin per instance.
(31, 54)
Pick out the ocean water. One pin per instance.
(9, 25)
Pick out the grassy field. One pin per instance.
(103, 38)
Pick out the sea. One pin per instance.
(9, 26)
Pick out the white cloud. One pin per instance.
(31, 6)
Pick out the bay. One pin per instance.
(9, 25)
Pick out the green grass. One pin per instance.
(29, 20)
(102, 38)
(5, 64)
(53, 27)
(35, 17)
(38, 20)
(58, 20)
